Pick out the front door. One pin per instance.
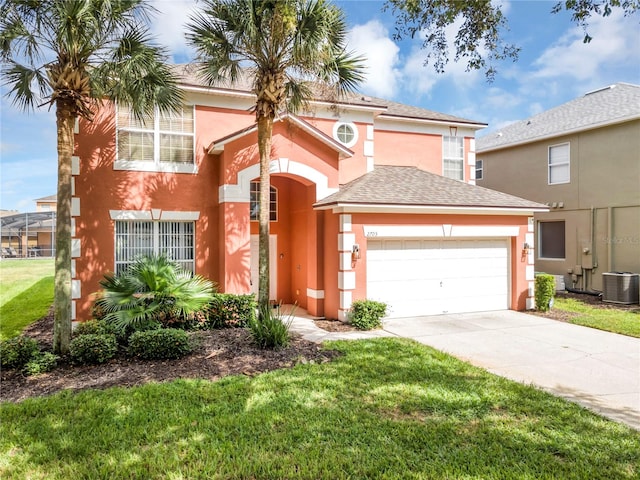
(273, 273)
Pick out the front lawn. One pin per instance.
(388, 408)
(616, 320)
(26, 293)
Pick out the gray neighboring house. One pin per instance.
(582, 159)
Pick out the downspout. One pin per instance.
(610, 239)
(594, 251)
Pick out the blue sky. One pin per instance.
(554, 67)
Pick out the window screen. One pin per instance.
(139, 238)
(551, 239)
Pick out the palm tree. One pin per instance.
(153, 289)
(284, 46)
(69, 54)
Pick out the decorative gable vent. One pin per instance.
(620, 287)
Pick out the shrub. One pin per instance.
(165, 343)
(153, 289)
(103, 327)
(93, 348)
(545, 290)
(91, 327)
(16, 352)
(228, 310)
(41, 363)
(367, 314)
(270, 329)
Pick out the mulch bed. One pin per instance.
(334, 326)
(219, 353)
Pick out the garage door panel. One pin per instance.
(426, 277)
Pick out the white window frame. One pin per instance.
(541, 243)
(153, 243)
(566, 163)
(479, 169)
(449, 159)
(254, 189)
(156, 165)
(354, 131)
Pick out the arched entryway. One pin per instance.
(296, 232)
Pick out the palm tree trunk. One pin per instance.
(265, 129)
(62, 295)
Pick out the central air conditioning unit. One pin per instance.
(620, 287)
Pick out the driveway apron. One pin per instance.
(596, 369)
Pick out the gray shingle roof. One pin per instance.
(404, 186)
(189, 76)
(609, 105)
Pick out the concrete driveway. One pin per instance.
(596, 369)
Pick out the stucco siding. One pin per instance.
(600, 205)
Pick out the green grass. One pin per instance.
(625, 322)
(18, 275)
(26, 293)
(388, 408)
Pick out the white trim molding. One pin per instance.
(154, 214)
(75, 207)
(317, 294)
(346, 241)
(345, 223)
(345, 260)
(346, 299)
(428, 209)
(76, 289)
(76, 251)
(240, 192)
(346, 280)
(161, 167)
(439, 231)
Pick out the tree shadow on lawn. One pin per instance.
(389, 407)
(26, 307)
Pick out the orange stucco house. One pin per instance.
(369, 199)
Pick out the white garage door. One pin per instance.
(431, 277)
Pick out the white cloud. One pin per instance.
(614, 41)
(535, 108)
(505, 5)
(373, 41)
(419, 79)
(168, 25)
(498, 98)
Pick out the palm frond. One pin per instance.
(135, 74)
(300, 40)
(27, 85)
(153, 288)
(104, 39)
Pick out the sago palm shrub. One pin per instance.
(153, 290)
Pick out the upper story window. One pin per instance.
(254, 203)
(345, 133)
(551, 240)
(559, 164)
(161, 142)
(453, 157)
(479, 169)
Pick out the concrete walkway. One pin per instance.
(596, 369)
